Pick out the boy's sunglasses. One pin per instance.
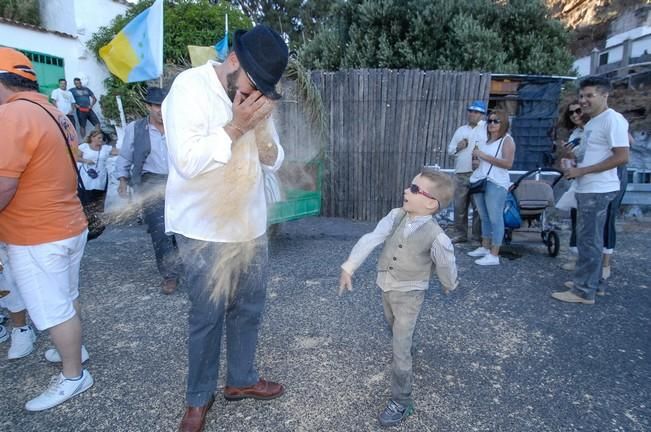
(576, 111)
(496, 121)
(415, 189)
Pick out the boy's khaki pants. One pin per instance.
(401, 311)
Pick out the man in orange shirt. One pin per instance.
(42, 221)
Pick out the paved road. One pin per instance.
(496, 355)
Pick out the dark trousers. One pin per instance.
(152, 194)
(241, 310)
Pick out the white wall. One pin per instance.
(582, 66)
(80, 18)
(631, 34)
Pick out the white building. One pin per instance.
(58, 47)
(628, 45)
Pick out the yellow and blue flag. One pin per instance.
(136, 53)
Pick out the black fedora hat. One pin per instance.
(155, 96)
(263, 55)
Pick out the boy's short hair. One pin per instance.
(442, 187)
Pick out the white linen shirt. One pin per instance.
(475, 136)
(194, 113)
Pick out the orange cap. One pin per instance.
(15, 62)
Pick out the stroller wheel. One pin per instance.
(553, 243)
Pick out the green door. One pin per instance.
(49, 70)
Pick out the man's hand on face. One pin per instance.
(249, 110)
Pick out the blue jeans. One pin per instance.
(592, 211)
(241, 310)
(490, 205)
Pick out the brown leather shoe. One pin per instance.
(168, 286)
(263, 390)
(195, 417)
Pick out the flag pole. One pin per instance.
(162, 18)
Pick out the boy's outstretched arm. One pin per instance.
(442, 253)
(363, 248)
(345, 282)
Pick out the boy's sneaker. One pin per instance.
(52, 355)
(4, 334)
(60, 390)
(394, 413)
(22, 342)
(479, 252)
(487, 260)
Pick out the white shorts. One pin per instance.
(12, 301)
(47, 278)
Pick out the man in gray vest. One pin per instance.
(142, 164)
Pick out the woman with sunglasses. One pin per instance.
(573, 120)
(92, 159)
(495, 160)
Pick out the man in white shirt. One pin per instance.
(605, 139)
(64, 100)
(461, 146)
(218, 136)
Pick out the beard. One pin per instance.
(231, 84)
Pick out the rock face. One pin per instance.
(590, 20)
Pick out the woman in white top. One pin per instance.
(495, 160)
(574, 120)
(92, 158)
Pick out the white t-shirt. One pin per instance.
(99, 158)
(475, 136)
(63, 100)
(600, 135)
(200, 202)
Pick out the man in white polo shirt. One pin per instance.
(218, 137)
(605, 138)
(461, 146)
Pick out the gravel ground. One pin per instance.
(498, 354)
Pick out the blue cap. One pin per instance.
(478, 105)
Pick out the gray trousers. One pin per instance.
(592, 210)
(401, 311)
(462, 200)
(241, 311)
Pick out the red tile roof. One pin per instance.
(35, 28)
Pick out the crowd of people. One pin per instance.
(198, 175)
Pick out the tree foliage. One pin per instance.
(186, 22)
(25, 11)
(298, 19)
(510, 36)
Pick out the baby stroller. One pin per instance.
(533, 196)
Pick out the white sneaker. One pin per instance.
(4, 334)
(22, 342)
(60, 390)
(489, 259)
(52, 355)
(479, 252)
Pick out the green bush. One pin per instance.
(25, 11)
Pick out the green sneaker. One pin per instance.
(394, 413)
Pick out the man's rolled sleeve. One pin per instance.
(442, 253)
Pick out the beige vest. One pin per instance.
(409, 259)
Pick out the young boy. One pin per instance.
(413, 242)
